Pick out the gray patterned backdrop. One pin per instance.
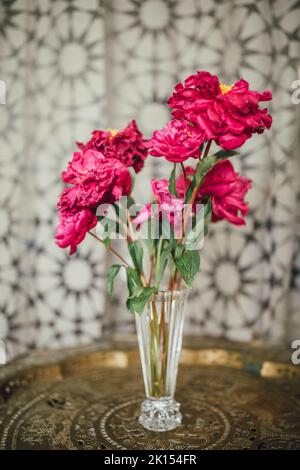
(74, 65)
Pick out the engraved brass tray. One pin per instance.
(232, 397)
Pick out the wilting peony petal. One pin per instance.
(127, 145)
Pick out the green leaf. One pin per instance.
(112, 272)
(136, 252)
(132, 175)
(194, 237)
(179, 251)
(162, 256)
(106, 239)
(204, 166)
(109, 225)
(137, 304)
(134, 283)
(207, 215)
(172, 181)
(221, 154)
(149, 240)
(188, 265)
(130, 201)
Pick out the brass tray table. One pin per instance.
(232, 396)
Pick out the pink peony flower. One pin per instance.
(160, 188)
(177, 141)
(97, 179)
(168, 206)
(73, 227)
(144, 214)
(127, 145)
(227, 114)
(227, 190)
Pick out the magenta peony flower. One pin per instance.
(227, 190)
(227, 114)
(199, 88)
(73, 228)
(127, 145)
(198, 92)
(240, 110)
(177, 141)
(97, 179)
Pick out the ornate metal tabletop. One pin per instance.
(232, 397)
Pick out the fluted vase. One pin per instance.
(159, 332)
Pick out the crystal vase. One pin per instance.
(159, 331)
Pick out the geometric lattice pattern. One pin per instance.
(74, 65)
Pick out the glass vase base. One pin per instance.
(160, 414)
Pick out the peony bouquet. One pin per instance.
(164, 235)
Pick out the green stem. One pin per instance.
(110, 249)
(159, 343)
(158, 260)
(185, 178)
(164, 334)
(194, 195)
(155, 379)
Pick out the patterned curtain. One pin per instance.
(70, 66)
